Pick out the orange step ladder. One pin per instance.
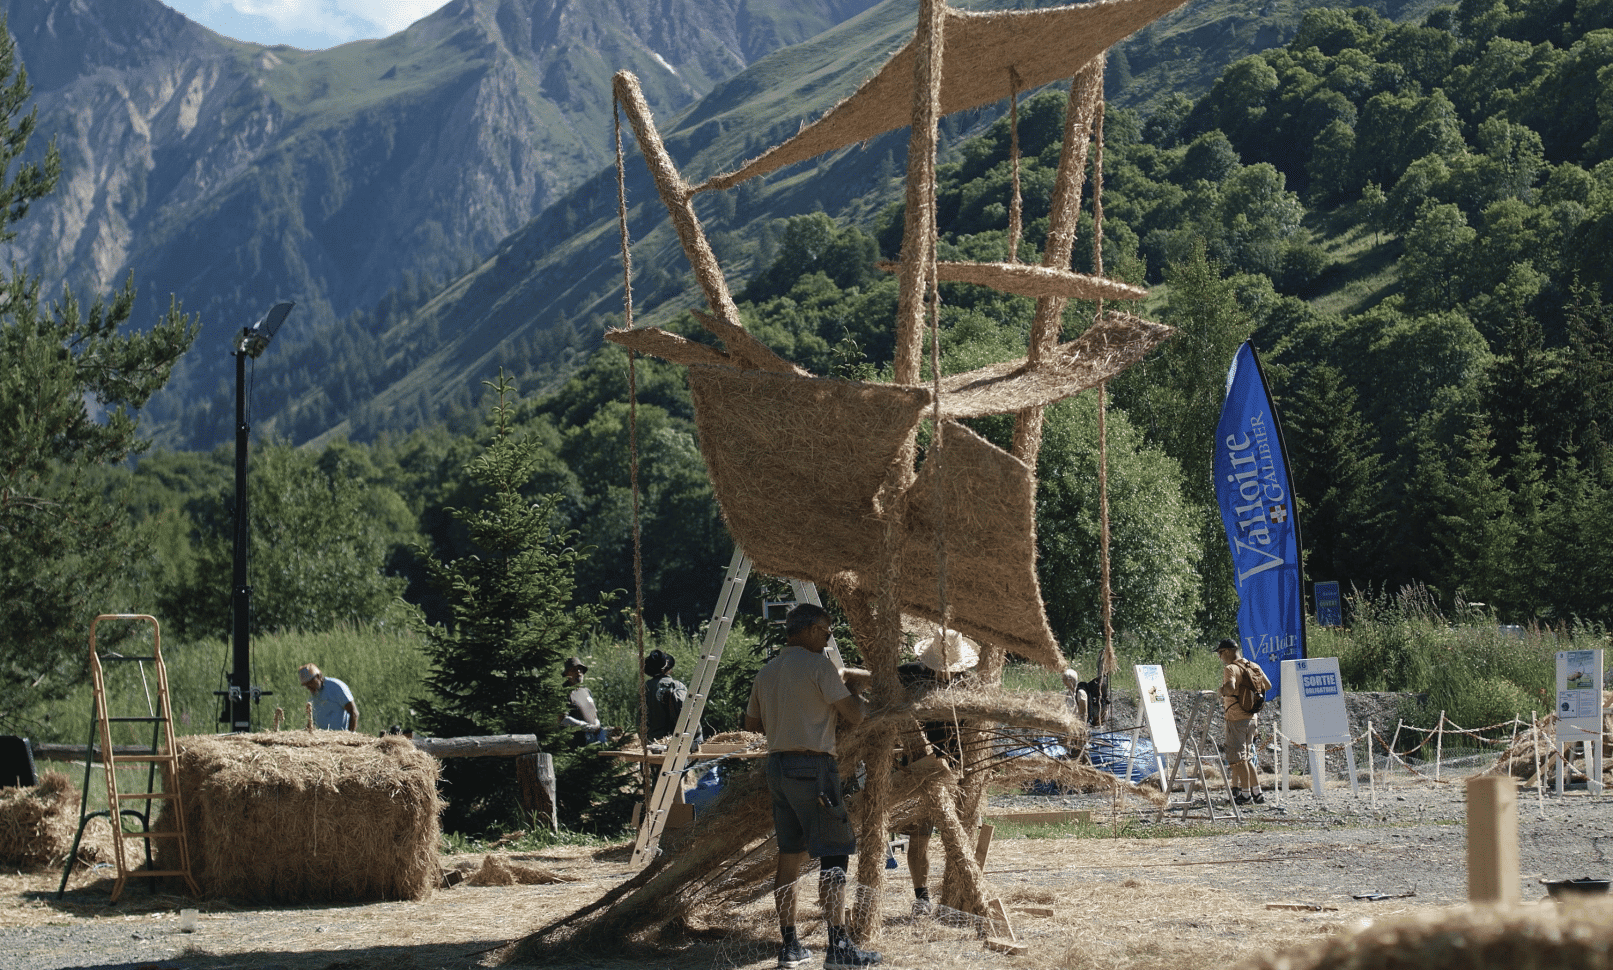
(159, 756)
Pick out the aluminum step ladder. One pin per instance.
(1195, 742)
(160, 755)
(669, 782)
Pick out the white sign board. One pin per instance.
(1579, 691)
(1156, 705)
(1313, 702)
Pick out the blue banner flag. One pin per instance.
(1258, 510)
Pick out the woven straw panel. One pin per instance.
(988, 497)
(979, 51)
(796, 464)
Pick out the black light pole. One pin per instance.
(253, 342)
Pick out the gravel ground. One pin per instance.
(1402, 838)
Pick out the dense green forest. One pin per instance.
(1410, 221)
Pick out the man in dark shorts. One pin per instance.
(795, 701)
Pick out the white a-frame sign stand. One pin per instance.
(1314, 716)
(669, 782)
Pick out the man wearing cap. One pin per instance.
(334, 707)
(664, 697)
(796, 699)
(1241, 726)
(581, 712)
(945, 660)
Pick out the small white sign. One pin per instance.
(1313, 702)
(1156, 704)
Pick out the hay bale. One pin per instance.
(37, 825)
(495, 871)
(322, 816)
(1533, 937)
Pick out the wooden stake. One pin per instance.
(1492, 840)
(983, 846)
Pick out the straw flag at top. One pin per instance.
(1262, 523)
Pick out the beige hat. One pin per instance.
(950, 653)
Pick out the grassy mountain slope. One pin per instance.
(562, 272)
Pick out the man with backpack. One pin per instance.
(664, 697)
(1243, 694)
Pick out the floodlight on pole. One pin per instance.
(252, 342)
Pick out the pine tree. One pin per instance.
(1338, 476)
(496, 662)
(70, 386)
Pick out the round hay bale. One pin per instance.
(322, 816)
(37, 825)
(1533, 937)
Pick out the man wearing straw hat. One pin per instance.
(795, 701)
(946, 659)
(334, 707)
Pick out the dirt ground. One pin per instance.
(1289, 873)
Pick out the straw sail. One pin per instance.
(980, 51)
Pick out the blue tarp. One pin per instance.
(1111, 753)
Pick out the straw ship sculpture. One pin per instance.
(951, 540)
(309, 816)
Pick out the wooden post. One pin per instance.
(1492, 840)
(534, 773)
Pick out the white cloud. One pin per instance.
(305, 23)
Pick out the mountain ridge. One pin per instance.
(234, 175)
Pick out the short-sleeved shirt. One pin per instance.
(1231, 680)
(794, 697)
(330, 705)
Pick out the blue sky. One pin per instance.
(309, 24)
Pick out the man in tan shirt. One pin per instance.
(795, 701)
(1241, 726)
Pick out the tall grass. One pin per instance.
(385, 669)
(1195, 670)
(1468, 666)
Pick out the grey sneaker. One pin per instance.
(844, 955)
(793, 954)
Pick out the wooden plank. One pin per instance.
(679, 815)
(490, 746)
(1042, 818)
(999, 918)
(1009, 947)
(1034, 910)
(983, 845)
(1304, 907)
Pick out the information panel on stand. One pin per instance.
(1313, 702)
(1579, 692)
(1156, 704)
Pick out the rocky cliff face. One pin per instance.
(233, 175)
